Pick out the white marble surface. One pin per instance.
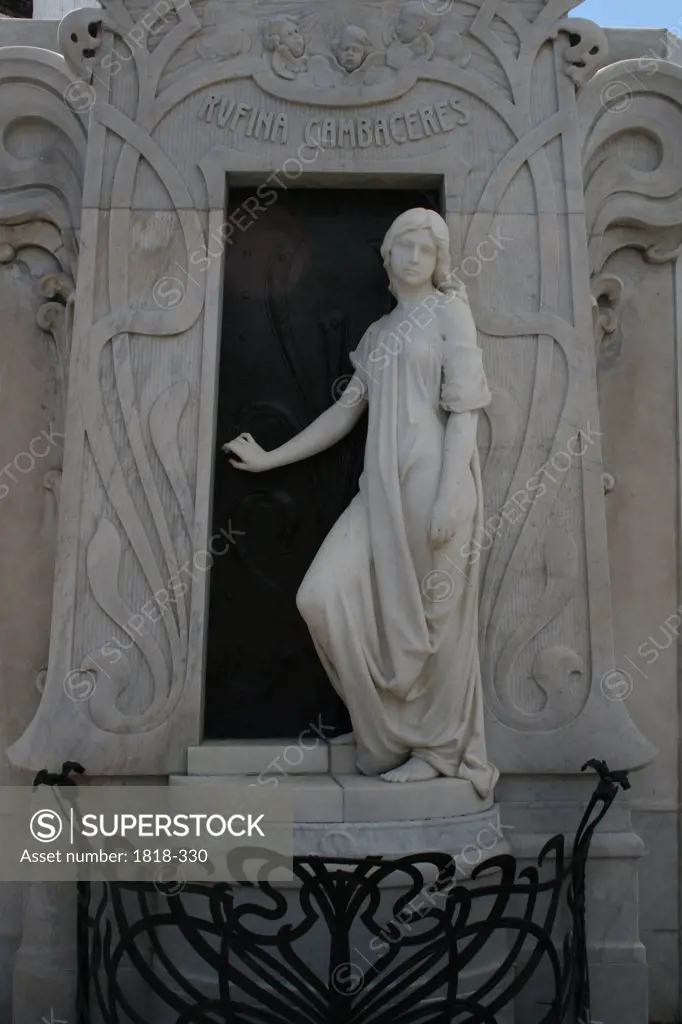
(342, 756)
(364, 799)
(352, 816)
(256, 757)
(314, 798)
(357, 798)
(541, 367)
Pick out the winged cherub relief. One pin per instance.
(283, 38)
(418, 34)
(356, 60)
(220, 41)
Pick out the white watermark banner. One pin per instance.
(191, 833)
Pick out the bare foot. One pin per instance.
(414, 770)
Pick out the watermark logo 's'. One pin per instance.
(616, 97)
(168, 292)
(170, 881)
(80, 97)
(438, 7)
(338, 842)
(346, 391)
(616, 684)
(46, 826)
(80, 685)
(438, 585)
(347, 979)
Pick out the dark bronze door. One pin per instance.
(301, 286)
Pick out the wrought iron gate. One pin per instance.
(401, 963)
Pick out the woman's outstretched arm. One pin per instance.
(324, 432)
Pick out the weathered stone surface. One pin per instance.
(545, 600)
(533, 148)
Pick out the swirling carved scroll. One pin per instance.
(629, 205)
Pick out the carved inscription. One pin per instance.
(401, 127)
(337, 132)
(256, 123)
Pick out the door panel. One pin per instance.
(302, 284)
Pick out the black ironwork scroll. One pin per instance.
(369, 941)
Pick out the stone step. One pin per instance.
(357, 798)
(299, 756)
(314, 798)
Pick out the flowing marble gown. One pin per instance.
(394, 622)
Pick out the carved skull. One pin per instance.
(587, 50)
(80, 36)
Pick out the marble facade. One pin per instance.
(556, 145)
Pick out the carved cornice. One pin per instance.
(323, 54)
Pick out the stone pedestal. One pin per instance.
(341, 813)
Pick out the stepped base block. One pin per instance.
(356, 816)
(307, 755)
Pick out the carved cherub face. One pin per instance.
(289, 35)
(353, 48)
(413, 21)
(414, 256)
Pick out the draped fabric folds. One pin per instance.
(395, 623)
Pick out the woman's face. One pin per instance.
(413, 257)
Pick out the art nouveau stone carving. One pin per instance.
(80, 36)
(631, 185)
(137, 475)
(412, 34)
(40, 206)
(607, 292)
(587, 50)
(352, 48)
(492, 116)
(407, 670)
(283, 38)
(220, 39)
(421, 33)
(42, 156)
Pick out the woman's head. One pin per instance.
(416, 249)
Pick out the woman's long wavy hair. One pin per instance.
(414, 220)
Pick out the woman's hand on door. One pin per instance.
(250, 456)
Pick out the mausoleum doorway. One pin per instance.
(301, 285)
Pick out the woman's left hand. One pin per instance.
(443, 522)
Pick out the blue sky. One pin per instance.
(633, 13)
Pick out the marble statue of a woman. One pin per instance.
(391, 600)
